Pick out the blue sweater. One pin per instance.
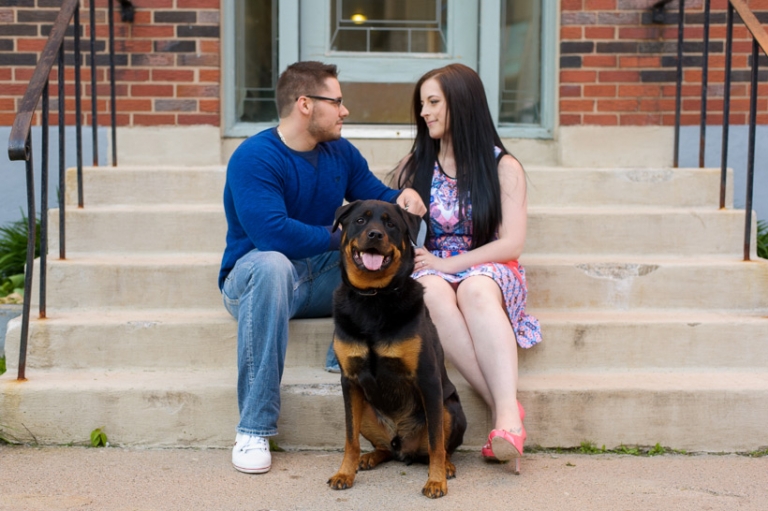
(278, 199)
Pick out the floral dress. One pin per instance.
(450, 237)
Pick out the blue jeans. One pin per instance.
(263, 292)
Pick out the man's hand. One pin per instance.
(410, 201)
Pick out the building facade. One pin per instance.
(569, 82)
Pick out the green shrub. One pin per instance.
(13, 255)
(762, 239)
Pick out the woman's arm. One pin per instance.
(509, 245)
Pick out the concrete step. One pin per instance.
(143, 228)
(618, 282)
(136, 280)
(570, 186)
(635, 230)
(573, 340)
(646, 282)
(684, 187)
(547, 186)
(108, 186)
(551, 230)
(703, 410)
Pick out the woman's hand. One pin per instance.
(426, 260)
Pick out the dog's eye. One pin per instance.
(360, 221)
(391, 225)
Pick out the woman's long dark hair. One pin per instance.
(473, 135)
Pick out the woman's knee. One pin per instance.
(439, 296)
(478, 293)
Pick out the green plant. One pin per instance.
(759, 453)
(13, 254)
(590, 448)
(762, 239)
(623, 449)
(2, 365)
(99, 438)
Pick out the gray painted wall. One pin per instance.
(737, 160)
(13, 188)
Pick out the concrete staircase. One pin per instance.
(655, 331)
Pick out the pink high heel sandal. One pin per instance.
(504, 446)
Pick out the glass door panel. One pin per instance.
(397, 26)
(382, 47)
(521, 62)
(257, 69)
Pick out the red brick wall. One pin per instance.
(617, 68)
(168, 60)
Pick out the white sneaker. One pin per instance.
(251, 454)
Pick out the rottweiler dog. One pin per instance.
(396, 391)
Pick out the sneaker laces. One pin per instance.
(255, 443)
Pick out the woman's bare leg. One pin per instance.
(441, 301)
(494, 346)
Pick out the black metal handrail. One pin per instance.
(20, 141)
(759, 42)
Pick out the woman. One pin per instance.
(474, 288)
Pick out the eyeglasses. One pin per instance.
(335, 101)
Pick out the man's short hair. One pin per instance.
(301, 79)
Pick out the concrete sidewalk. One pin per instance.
(116, 479)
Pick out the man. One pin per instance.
(281, 260)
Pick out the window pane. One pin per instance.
(256, 74)
(388, 26)
(521, 63)
(377, 103)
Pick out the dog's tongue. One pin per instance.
(372, 261)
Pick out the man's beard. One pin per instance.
(321, 134)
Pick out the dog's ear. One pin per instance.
(343, 212)
(412, 222)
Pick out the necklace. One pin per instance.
(281, 136)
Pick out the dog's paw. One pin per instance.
(450, 470)
(435, 489)
(368, 461)
(341, 481)
(373, 459)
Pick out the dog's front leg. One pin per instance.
(432, 395)
(353, 412)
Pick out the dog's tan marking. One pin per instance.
(346, 351)
(407, 351)
(345, 477)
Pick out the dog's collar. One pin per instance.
(372, 292)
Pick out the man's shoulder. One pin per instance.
(263, 140)
(262, 147)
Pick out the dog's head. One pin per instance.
(375, 243)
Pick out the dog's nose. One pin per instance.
(374, 234)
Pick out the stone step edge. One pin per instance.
(309, 395)
(317, 381)
(385, 167)
(96, 315)
(535, 210)
(133, 258)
